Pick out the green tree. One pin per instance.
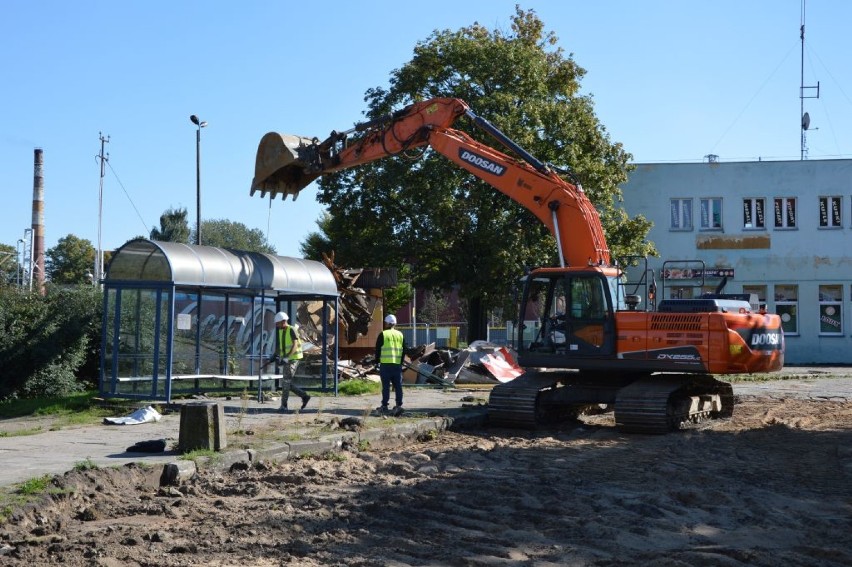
(454, 228)
(174, 227)
(223, 233)
(8, 265)
(71, 261)
(318, 243)
(49, 344)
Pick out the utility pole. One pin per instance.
(99, 257)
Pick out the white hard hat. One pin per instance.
(281, 316)
(390, 320)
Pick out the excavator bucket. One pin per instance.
(283, 165)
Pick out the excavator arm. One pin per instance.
(286, 164)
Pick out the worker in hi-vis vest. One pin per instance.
(390, 348)
(288, 350)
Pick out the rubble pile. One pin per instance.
(480, 363)
(356, 307)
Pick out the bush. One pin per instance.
(49, 345)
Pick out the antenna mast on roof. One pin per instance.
(805, 117)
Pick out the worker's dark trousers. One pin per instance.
(288, 373)
(391, 374)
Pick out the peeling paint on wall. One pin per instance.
(717, 242)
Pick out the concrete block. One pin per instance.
(177, 472)
(202, 426)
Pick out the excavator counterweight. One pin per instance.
(282, 165)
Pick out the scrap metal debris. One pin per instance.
(480, 363)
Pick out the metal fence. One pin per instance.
(450, 335)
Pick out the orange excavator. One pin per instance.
(582, 337)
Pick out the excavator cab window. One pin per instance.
(571, 314)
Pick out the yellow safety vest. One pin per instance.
(284, 342)
(391, 347)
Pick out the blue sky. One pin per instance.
(671, 80)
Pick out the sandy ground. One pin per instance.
(771, 486)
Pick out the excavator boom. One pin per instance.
(286, 164)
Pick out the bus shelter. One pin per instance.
(182, 318)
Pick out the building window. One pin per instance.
(785, 212)
(681, 214)
(759, 293)
(711, 214)
(787, 307)
(753, 213)
(829, 212)
(831, 309)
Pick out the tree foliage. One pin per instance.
(223, 233)
(452, 227)
(174, 227)
(49, 344)
(318, 243)
(9, 265)
(71, 261)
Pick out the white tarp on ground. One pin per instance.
(142, 415)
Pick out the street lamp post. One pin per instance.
(200, 124)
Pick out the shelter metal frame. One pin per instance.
(147, 280)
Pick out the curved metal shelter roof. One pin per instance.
(184, 265)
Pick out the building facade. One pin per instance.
(781, 230)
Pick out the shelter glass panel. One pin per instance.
(109, 341)
(211, 316)
(242, 332)
(185, 327)
(138, 336)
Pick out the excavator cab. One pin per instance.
(572, 314)
(284, 165)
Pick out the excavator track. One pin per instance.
(650, 404)
(663, 403)
(516, 403)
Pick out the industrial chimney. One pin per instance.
(38, 219)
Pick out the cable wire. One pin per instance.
(132, 204)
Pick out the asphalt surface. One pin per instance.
(45, 450)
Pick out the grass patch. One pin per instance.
(197, 454)
(358, 387)
(22, 432)
(85, 465)
(83, 408)
(47, 406)
(34, 486)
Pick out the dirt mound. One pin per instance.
(771, 486)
